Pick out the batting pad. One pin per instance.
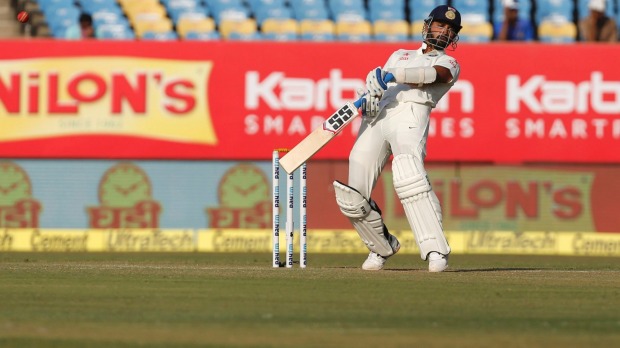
(421, 205)
(366, 220)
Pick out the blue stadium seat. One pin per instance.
(115, 32)
(555, 10)
(202, 36)
(263, 13)
(47, 4)
(475, 11)
(385, 14)
(419, 9)
(90, 6)
(230, 13)
(257, 4)
(106, 17)
(176, 13)
(245, 37)
(279, 36)
(217, 5)
(313, 13)
(309, 9)
(397, 7)
(348, 10)
(160, 36)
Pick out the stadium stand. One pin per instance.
(286, 20)
(558, 11)
(354, 31)
(197, 25)
(277, 29)
(243, 29)
(390, 30)
(557, 31)
(317, 30)
(476, 32)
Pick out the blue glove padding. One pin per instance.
(370, 104)
(374, 82)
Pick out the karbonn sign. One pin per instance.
(207, 100)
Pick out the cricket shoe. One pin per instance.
(437, 262)
(375, 262)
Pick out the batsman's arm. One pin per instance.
(334, 124)
(389, 77)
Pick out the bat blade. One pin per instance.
(316, 140)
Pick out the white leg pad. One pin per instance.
(421, 205)
(366, 219)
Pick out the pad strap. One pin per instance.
(366, 219)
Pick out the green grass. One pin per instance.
(237, 300)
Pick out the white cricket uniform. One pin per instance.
(402, 125)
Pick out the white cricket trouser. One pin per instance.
(400, 128)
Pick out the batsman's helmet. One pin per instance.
(445, 14)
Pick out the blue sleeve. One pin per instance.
(528, 30)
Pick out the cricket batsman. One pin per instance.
(396, 123)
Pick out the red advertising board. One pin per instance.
(514, 103)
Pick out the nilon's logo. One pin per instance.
(125, 200)
(18, 209)
(149, 98)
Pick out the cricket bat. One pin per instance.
(316, 140)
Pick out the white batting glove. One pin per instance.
(370, 104)
(374, 82)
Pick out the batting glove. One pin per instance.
(374, 82)
(370, 104)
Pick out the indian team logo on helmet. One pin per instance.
(450, 14)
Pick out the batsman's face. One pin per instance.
(439, 34)
(442, 32)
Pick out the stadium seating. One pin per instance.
(556, 31)
(244, 29)
(273, 12)
(348, 10)
(473, 11)
(189, 24)
(159, 36)
(390, 30)
(319, 20)
(419, 9)
(202, 36)
(554, 10)
(152, 25)
(354, 31)
(386, 10)
(321, 30)
(416, 30)
(476, 32)
(309, 9)
(280, 29)
(115, 32)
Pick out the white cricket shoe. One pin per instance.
(437, 262)
(375, 262)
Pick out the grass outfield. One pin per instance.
(237, 300)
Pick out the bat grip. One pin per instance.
(388, 77)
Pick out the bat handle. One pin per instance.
(388, 77)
